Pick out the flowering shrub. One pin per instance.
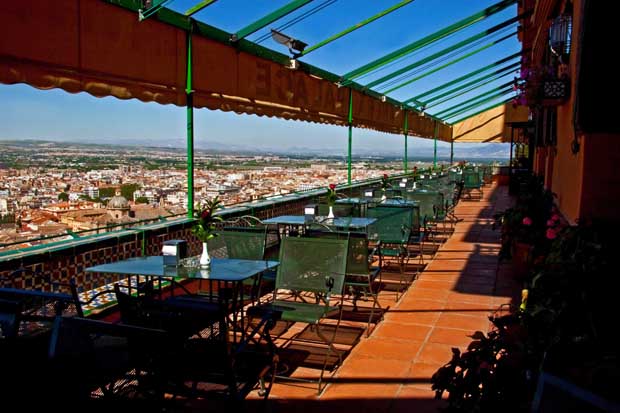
(205, 214)
(529, 85)
(331, 194)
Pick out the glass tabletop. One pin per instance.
(342, 222)
(222, 269)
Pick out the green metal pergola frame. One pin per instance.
(412, 47)
(192, 26)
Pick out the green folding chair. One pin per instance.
(315, 269)
(472, 182)
(392, 232)
(246, 244)
(360, 274)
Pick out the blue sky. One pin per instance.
(29, 113)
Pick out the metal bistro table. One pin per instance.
(345, 223)
(227, 272)
(365, 203)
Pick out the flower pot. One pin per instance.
(331, 212)
(205, 260)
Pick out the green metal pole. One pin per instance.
(350, 135)
(189, 93)
(406, 128)
(435, 145)
(451, 152)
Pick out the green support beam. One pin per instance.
(410, 48)
(350, 122)
(357, 26)
(193, 10)
(477, 103)
(445, 51)
(189, 93)
(435, 132)
(464, 77)
(451, 62)
(406, 129)
(505, 86)
(493, 106)
(469, 86)
(268, 19)
(463, 92)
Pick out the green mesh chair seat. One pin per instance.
(303, 312)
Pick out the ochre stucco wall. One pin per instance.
(601, 184)
(567, 168)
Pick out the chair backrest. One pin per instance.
(340, 210)
(10, 312)
(389, 193)
(357, 253)
(315, 265)
(471, 179)
(428, 200)
(245, 244)
(37, 308)
(393, 224)
(86, 354)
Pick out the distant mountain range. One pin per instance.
(418, 148)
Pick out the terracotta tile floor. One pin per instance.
(390, 371)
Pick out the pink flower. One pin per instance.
(527, 221)
(385, 176)
(332, 186)
(551, 234)
(556, 217)
(550, 223)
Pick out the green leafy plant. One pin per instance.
(492, 375)
(205, 214)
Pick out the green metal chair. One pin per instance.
(430, 201)
(246, 243)
(360, 275)
(472, 182)
(392, 232)
(315, 269)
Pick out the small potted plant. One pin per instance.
(331, 199)
(204, 229)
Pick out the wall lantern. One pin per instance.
(560, 35)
